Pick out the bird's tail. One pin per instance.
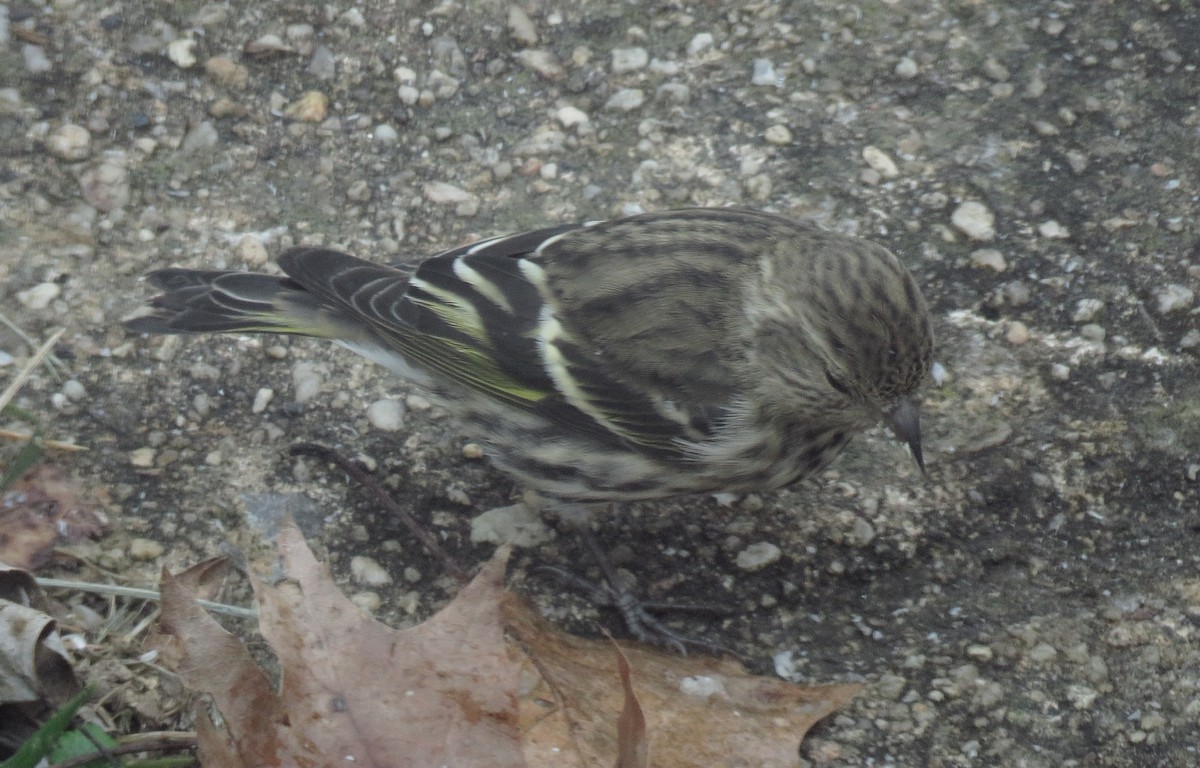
(205, 301)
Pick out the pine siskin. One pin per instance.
(702, 350)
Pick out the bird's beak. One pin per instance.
(906, 423)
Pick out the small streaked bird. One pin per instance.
(688, 351)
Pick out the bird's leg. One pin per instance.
(385, 501)
(616, 593)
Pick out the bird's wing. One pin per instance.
(493, 318)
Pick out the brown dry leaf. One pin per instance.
(42, 510)
(633, 748)
(211, 660)
(354, 690)
(34, 664)
(699, 711)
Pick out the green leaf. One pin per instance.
(42, 743)
(26, 458)
(86, 740)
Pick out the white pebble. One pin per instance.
(142, 457)
(35, 59)
(758, 556)
(989, 258)
(629, 60)
(1060, 372)
(521, 26)
(385, 134)
(541, 61)
(145, 549)
(250, 249)
(879, 161)
(443, 193)
(1017, 333)
(699, 43)
(626, 100)
(764, 73)
(367, 601)
(1053, 230)
(70, 142)
(516, 524)
(73, 390)
(385, 414)
(306, 382)
(1086, 310)
(39, 296)
(974, 220)
(182, 53)
(906, 68)
(262, 398)
(938, 373)
(368, 572)
(1174, 297)
(779, 135)
(408, 95)
(571, 117)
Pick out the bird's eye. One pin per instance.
(839, 386)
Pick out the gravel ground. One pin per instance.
(1033, 602)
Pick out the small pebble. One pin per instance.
(182, 53)
(70, 142)
(145, 549)
(980, 652)
(1053, 230)
(443, 193)
(880, 162)
(1086, 310)
(386, 414)
(73, 390)
(1173, 298)
(311, 107)
(306, 382)
(521, 26)
(629, 60)
(106, 186)
(250, 249)
(974, 220)
(35, 59)
(764, 73)
(368, 572)
(758, 556)
(571, 117)
(541, 61)
(1060, 372)
(262, 398)
(39, 296)
(516, 524)
(699, 43)
(906, 68)
(989, 258)
(626, 100)
(225, 71)
(779, 135)
(201, 137)
(473, 451)
(142, 458)
(367, 601)
(1017, 333)
(1092, 332)
(385, 134)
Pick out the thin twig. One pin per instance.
(30, 365)
(142, 594)
(58, 445)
